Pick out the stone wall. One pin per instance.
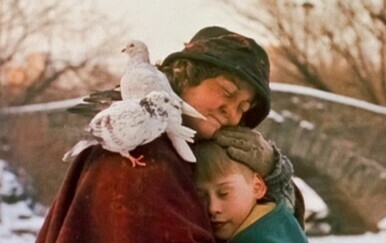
(338, 144)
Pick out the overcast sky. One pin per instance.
(165, 24)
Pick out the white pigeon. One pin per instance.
(141, 77)
(129, 123)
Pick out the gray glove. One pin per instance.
(249, 147)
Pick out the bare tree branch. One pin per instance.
(315, 36)
(45, 80)
(26, 27)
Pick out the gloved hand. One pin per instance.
(247, 146)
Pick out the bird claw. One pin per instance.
(136, 161)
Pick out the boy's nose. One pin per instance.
(214, 207)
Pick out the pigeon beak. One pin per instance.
(123, 50)
(190, 111)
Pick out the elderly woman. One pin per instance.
(224, 76)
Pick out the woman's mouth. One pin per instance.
(216, 122)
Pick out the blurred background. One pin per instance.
(328, 72)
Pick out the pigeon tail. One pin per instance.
(182, 148)
(182, 132)
(77, 149)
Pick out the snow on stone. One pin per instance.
(278, 87)
(382, 224)
(276, 116)
(9, 183)
(57, 105)
(288, 114)
(313, 202)
(379, 237)
(307, 125)
(296, 89)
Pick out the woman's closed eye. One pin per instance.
(228, 92)
(244, 106)
(229, 88)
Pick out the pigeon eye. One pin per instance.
(131, 45)
(166, 100)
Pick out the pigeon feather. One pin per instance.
(129, 123)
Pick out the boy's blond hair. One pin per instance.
(213, 161)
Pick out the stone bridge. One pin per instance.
(337, 145)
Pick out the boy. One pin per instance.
(234, 196)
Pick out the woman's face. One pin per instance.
(221, 100)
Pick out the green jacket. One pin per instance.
(278, 226)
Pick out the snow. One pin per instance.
(49, 106)
(314, 203)
(368, 238)
(382, 224)
(280, 117)
(301, 90)
(20, 223)
(307, 125)
(278, 87)
(276, 116)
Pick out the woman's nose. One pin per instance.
(231, 113)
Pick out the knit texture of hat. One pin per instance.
(237, 54)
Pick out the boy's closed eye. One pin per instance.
(224, 190)
(222, 193)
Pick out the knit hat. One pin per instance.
(237, 54)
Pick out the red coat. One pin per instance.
(104, 199)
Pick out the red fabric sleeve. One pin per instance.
(104, 199)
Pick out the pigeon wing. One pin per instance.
(96, 102)
(77, 149)
(126, 125)
(140, 80)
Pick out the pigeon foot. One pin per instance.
(136, 161)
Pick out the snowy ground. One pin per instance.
(21, 219)
(19, 222)
(365, 238)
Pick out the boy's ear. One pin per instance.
(259, 186)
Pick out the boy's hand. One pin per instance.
(247, 146)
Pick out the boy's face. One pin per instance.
(229, 200)
(222, 101)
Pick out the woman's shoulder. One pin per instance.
(150, 151)
(158, 155)
(163, 166)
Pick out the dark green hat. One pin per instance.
(237, 54)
